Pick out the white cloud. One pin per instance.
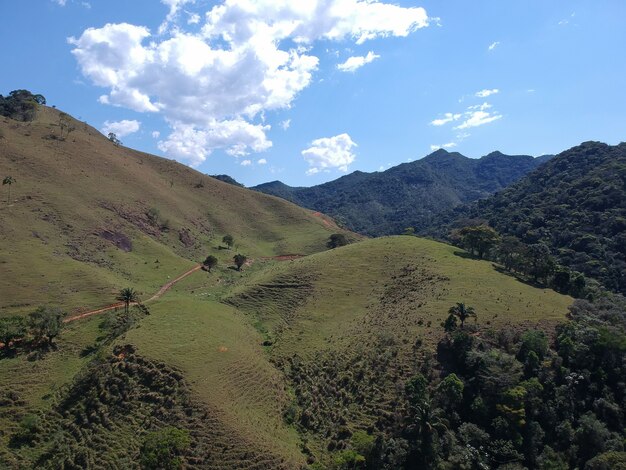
(356, 62)
(60, 2)
(249, 57)
(236, 138)
(486, 92)
(262, 161)
(194, 18)
(156, 134)
(443, 146)
(478, 118)
(121, 128)
(448, 117)
(493, 45)
(285, 124)
(246, 163)
(330, 152)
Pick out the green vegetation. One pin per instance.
(239, 260)
(162, 449)
(341, 359)
(575, 205)
(127, 295)
(228, 240)
(336, 240)
(210, 262)
(384, 203)
(20, 105)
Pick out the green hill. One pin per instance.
(410, 194)
(87, 218)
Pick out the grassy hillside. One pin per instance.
(86, 217)
(408, 195)
(350, 326)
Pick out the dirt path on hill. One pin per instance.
(325, 221)
(156, 296)
(167, 287)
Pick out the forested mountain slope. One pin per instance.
(410, 194)
(575, 203)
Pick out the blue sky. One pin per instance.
(264, 90)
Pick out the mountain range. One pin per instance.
(410, 194)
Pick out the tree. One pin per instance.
(8, 180)
(462, 312)
(45, 323)
(228, 240)
(336, 240)
(510, 251)
(163, 449)
(11, 330)
(113, 138)
(540, 262)
(479, 239)
(210, 262)
(240, 260)
(127, 295)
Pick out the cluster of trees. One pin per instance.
(511, 400)
(20, 105)
(534, 261)
(38, 330)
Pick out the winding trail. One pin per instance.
(165, 288)
(156, 296)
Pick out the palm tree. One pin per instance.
(127, 295)
(427, 423)
(8, 180)
(462, 312)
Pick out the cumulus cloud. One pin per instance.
(261, 161)
(121, 128)
(245, 58)
(156, 134)
(285, 124)
(493, 45)
(246, 163)
(356, 62)
(486, 92)
(330, 152)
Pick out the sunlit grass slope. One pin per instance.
(402, 286)
(77, 228)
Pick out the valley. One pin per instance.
(304, 356)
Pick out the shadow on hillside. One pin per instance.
(466, 255)
(501, 270)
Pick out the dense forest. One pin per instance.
(409, 194)
(575, 205)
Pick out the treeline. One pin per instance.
(20, 105)
(533, 262)
(511, 400)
